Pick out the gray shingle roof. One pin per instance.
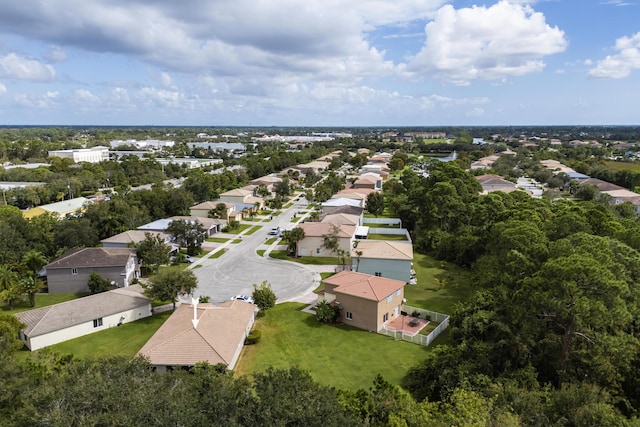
(70, 313)
(93, 257)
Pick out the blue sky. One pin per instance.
(320, 62)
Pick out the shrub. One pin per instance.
(264, 296)
(415, 314)
(326, 313)
(253, 337)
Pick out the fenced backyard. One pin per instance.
(425, 340)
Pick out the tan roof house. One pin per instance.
(56, 323)
(201, 333)
(372, 181)
(365, 301)
(342, 218)
(201, 210)
(385, 258)
(311, 245)
(70, 272)
(129, 238)
(491, 183)
(243, 198)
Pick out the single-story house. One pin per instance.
(201, 210)
(342, 201)
(351, 210)
(201, 333)
(365, 301)
(61, 322)
(342, 218)
(384, 258)
(491, 183)
(70, 272)
(59, 209)
(311, 245)
(368, 181)
(129, 238)
(210, 225)
(241, 196)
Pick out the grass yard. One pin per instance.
(123, 340)
(624, 166)
(271, 241)
(240, 229)
(440, 285)
(305, 259)
(218, 239)
(296, 219)
(338, 356)
(253, 230)
(398, 237)
(260, 252)
(217, 254)
(236, 241)
(42, 300)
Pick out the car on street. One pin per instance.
(244, 298)
(274, 231)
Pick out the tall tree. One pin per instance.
(375, 203)
(292, 237)
(168, 285)
(153, 251)
(187, 234)
(30, 286)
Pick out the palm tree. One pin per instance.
(10, 295)
(34, 261)
(293, 237)
(9, 290)
(31, 286)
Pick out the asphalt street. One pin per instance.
(235, 272)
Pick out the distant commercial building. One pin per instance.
(90, 155)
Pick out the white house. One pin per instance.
(72, 319)
(89, 155)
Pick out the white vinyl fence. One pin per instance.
(425, 340)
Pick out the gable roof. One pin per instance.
(93, 257)
(341, 218)
(206, 205)
(219, 332)
(319, 229)
(353, 210)
(385, 249)
(237, 192)
(133, 236)
(602, 185)
(341, 201)
(363, 285)
(75, 312)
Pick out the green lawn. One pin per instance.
(305, 259)
(440, 285)
(123, 340)
(217, 239)
(260, 252)
(386, 237)
(626, 166)
(42, 300)
(217, 254)
(338, 356)
(271, 241)
(296, 219)
(240, 229)
(253, 230)
(236, 241)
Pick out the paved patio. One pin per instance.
(403, 323)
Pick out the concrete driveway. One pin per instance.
(240, 267)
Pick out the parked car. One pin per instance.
(189, 259)
(244, 298)
(274, 231)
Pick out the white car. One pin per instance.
(244, 298)
(274, 231)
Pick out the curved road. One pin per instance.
(240, 267)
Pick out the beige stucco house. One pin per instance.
(311, 245)
(201, 210)
(61, 322)
(201, 333)
(365, 301)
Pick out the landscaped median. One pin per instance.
(335, 355)
(278, 254)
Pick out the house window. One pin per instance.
(97, 322)
(398, 292)
(348, 315)
(318, 250)
(389, 298)
(385, 317)
(74, 271)
(378, 274)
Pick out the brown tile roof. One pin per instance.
(93, 257)
(341, 218)
(206, 205)
(353, 210)
(384, 249)
(219, 332)
(237, 192)
(602, 185)
(367, 179)
(75, 312)
(364, 285)
(318, 229)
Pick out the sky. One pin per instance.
(337, 63)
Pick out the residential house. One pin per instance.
(346, 209)
(70, 272)
(390, 259)
(61, 322)
(201, 333)
(131, 238)
(201, 210)
(268, 181)
(365, 301)
(242, 198)
(314, 232)
(342, 218)
(211, 225)
(342, 201)
(60, 210)
(491, 183)
(368, 180)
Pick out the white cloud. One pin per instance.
(486, 43)
(166, 80)
(18, 67)
(3, 89)
(55, 54)
(622, 63)
(85, 98)
(47, 100)
(476, 112)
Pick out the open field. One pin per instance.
(624, 166)
(339, 356)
